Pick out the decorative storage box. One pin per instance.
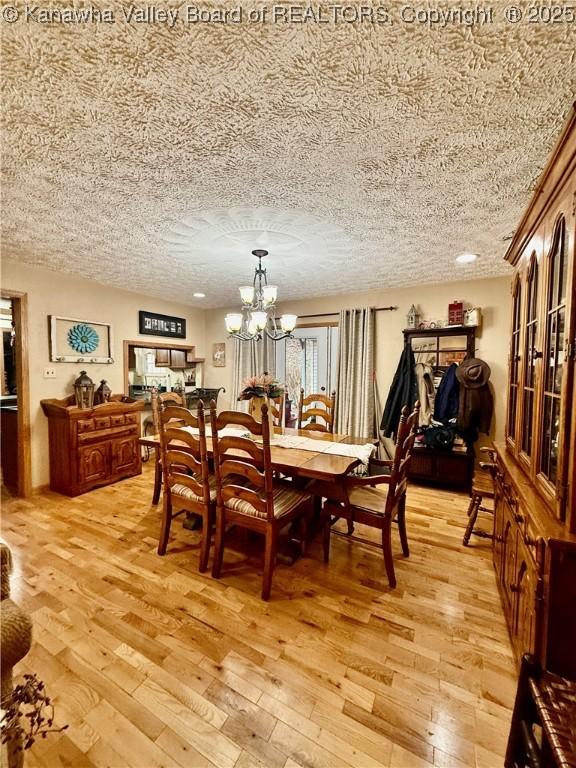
(456, 313)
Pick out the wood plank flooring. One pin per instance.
(152, 664)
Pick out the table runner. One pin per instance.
(362, 452)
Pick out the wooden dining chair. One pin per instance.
(188, 484)
(278, 408)
(364, 499)
(264, 504)
(314, 407)
(158, 399)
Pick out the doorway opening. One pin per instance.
(308, 361)
(15, 460)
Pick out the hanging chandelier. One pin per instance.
(258, 310)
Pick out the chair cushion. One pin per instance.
(182, 490)
(286, 499)
(372, 498)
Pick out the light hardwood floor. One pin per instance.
(153, 664)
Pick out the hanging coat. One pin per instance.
(446, 401)
(402, 392)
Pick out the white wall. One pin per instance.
(51, 293)
(492, 295)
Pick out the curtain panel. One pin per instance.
(251, 358)
(355, 414)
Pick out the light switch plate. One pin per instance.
(49, 373)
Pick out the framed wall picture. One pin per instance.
(153, 324)
(80, 341)
(219, 354)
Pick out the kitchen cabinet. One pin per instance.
(173, 358)
(162, 358)
(92, 447)
(177, 358)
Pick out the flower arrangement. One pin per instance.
(260, 386)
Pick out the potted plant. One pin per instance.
(259, 390)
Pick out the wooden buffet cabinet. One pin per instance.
(90, 447)
(535, 501)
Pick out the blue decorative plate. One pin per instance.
(82, 338)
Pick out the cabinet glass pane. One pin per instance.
(452, 342)
(447, 358)
(529, 377)
(514, 358)
(527, 426)
(559, 350)
(554, 355)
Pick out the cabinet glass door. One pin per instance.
(555, 337)
(514, 361)
(530, 356)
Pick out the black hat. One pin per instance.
(473, 373)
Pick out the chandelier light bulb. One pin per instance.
(260, 319)
(288, 323)
(233, 323)
(269, 294)
(247, 294)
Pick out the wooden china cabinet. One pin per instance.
(91, 447)
(535, 503)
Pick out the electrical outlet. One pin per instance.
(49, 373)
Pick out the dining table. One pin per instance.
(319, 469)
(326, 463)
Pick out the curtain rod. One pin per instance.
(336, 314)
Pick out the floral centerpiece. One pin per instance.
(259, 390)
(260, 386)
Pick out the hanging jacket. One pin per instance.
(446, 401)
(426, 394)
(402, 392)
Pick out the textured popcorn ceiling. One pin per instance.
(362, 157)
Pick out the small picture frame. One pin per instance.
(219, 354)
(153, 324)
(79, 341)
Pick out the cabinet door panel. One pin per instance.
(509, 540)
(526, 591)
(498, 539)
(178, 358)
(93, 463)
(162, 357)
(124, 455)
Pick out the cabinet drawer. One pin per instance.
(131, 418)
(117, 421)
(106, 434)
(102, 422)
(85, 425)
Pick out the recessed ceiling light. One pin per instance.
(466, 258)
(199, 295)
